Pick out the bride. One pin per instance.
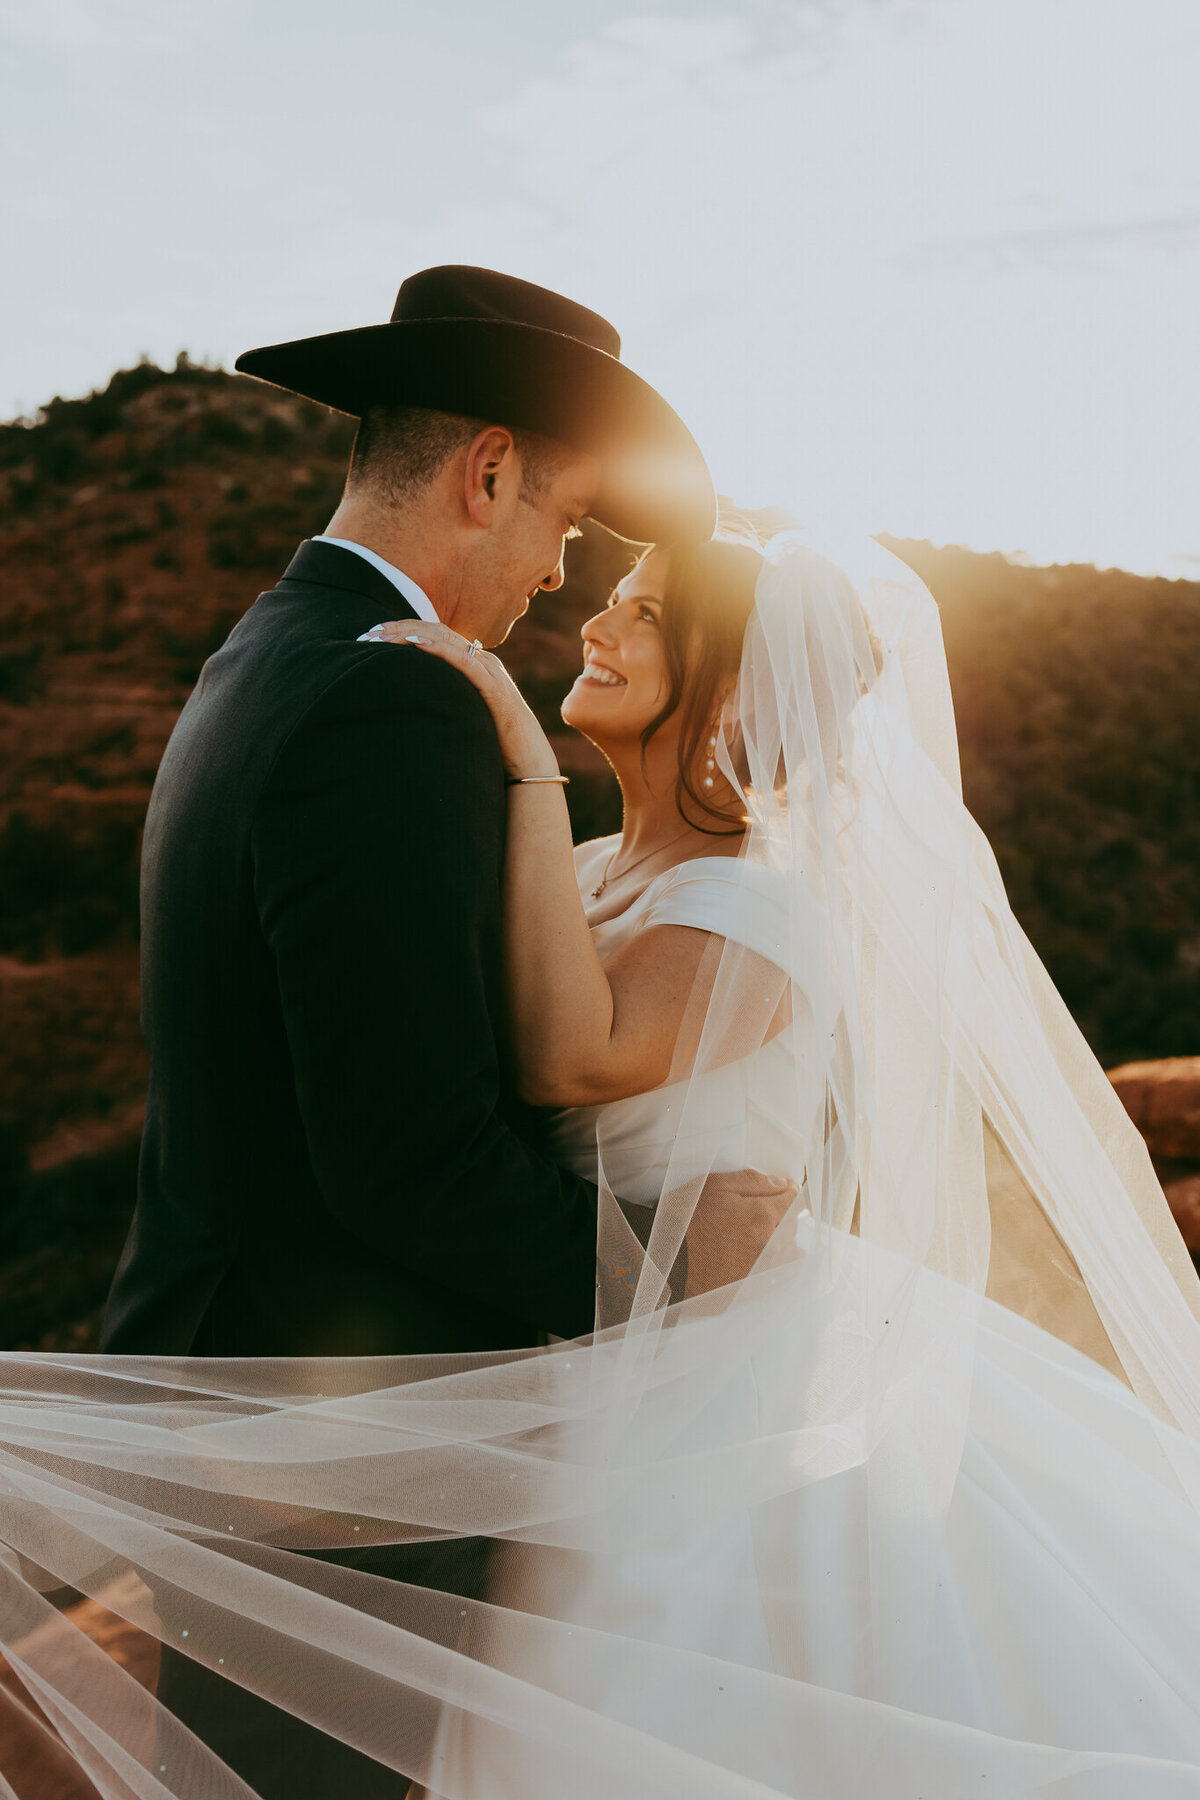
(797, 955)
(909, 1509)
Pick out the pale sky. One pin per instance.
(930, 266)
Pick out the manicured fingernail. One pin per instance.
(374, 636)
(417, 640)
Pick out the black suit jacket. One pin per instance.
(334, 1162)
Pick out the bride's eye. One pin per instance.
(649, 613)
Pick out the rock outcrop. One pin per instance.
(1163, 1100)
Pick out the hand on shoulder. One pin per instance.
(523, 744)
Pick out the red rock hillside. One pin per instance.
(138, 523)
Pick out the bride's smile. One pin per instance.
(595, 671)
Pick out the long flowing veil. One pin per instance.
(978, 1317)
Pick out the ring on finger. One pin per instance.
(473, 648)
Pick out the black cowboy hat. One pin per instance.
(470, 341)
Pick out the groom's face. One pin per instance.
(522, 553)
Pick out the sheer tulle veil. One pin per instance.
(979, 1254)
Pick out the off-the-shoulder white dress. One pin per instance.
(1058, 1648)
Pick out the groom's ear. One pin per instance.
(491, 463)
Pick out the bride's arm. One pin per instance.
(590, 1030)
(585, 1032)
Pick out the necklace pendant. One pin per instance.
(597, 891)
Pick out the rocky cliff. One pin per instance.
(1163, 1100)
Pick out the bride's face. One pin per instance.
(625, 681)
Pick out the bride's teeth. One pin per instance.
(605, 676)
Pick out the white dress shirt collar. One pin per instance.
(417, 598)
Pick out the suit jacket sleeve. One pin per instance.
(377, 846)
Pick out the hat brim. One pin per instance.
(655, 486)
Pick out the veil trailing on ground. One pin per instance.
(866, 1447)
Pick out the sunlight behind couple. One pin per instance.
(939, 261)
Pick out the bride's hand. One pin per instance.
(735, 1218)
(524, 746)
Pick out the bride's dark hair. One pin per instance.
(708, 597)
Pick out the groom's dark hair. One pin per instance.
(400, 449)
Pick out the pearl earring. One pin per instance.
(710, 761)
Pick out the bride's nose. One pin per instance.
(599, 630)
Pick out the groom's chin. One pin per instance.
(500, 631)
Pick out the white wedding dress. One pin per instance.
(1053, 1641)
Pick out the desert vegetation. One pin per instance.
(138, 523)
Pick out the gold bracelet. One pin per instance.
(519, 780)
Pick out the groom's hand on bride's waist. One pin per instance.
(735, 1217)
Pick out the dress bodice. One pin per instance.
(759, 1110)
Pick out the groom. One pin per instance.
(334, 1162)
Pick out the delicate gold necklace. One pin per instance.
(657, 851)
